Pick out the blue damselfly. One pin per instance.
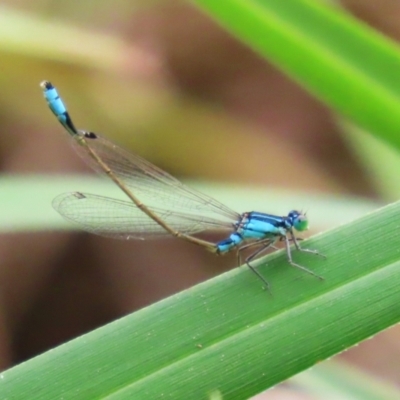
(158, 204)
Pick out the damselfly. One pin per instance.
(158, 204)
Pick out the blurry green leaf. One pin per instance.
(22, 194)
(341, 60)
(52, 40)
(381, 160)
(344, 381)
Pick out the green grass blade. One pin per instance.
(341, 60)
(227, 334)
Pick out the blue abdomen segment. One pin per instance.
(57, 106)
(226, 245)
(254, 226)
(53, 99)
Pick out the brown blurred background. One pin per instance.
(163, 79)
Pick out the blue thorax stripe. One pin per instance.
(268, 218)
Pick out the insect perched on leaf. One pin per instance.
(158, 204)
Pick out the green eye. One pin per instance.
(301, 223)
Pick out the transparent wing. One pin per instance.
(153, 186)
(123, 220)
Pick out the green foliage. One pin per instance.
(341, 60)
(227, 336)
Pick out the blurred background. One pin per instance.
(165, 81)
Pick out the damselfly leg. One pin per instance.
(290, 260)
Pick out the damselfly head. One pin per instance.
(298, 220)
